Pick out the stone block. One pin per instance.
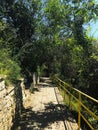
(2, 85)
(3, 93)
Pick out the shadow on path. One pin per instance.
(52, 113)
(35, 120)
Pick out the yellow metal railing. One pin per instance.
(77, 96)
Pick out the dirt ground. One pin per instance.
(44, 110)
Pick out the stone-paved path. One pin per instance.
(43, 112)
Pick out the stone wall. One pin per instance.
(7, 106)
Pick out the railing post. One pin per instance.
(79, 111)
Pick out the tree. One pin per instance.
(21, 18)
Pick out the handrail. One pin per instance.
(66, 88)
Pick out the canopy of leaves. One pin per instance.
(50, 35)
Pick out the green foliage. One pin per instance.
(38, 70)
(48, 37)
(8, 68)
(32, 88)
(20, 21)
(14, 71)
